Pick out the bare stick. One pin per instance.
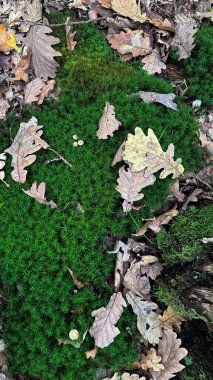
(62, 24)
(47, 162)
(59, 156)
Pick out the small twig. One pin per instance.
(47, 162)
(59, 156)
(62, 24)
(6, 184)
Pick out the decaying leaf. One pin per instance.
(21, 71)
(92, 353)
(43, 54)
(153, 63)
(191, 198)
(130, 184)
(119, 270)
(5, 62)
(26, 142)
(119, 155)
(207, 145)
(149, 361)
(32, 11)
(33, 91)
(185, 30)
(105, 3)
(131, 41)
(7, 39)
(136, 246)
(45, 90)
(171, 353)
(170, 318)
(108, 123)
(152, 270)
(175, 190)
(103, 329)
(145, 152)
(38, 192)
(3, 158)
(154, 97)
(123, 248)
(71, 44)
(129, 8)
(147, 320)
(76, 281)
(155, 223)
(138, 284)
(4, 106)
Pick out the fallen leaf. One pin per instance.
(108, 123)
(154, 97)
(119, 270)
(155, 223)
(191, 198)
(45, 90)
(26, 142)
(207, 240)
(76, 281)
(119, 155)
(92, 353)
(202, 15)
(152, 270)
(170, 318)
(4, 106)
(149, 361)
(207, 145)
(121, 247)
(105, 3)
(39, 194)
(147, 320)
(171, 353)
(5, 62)
(139, 285)
(148, 259)
(136, 246)
(3, 158)
(145, 152)
(43, 54)
(129, 8)
(33, 91)
(185, 30)
(164, 24)
(21, 71)
(103, 329)
(71, 44)
(175, 190)
(131, 41)
(125, 376)
(153, 63)
(7, 39)
(32, 12)
(130, 184)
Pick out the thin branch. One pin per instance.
(47, 162)
(59, 156)
(62, 24)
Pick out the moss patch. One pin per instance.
(38, 244)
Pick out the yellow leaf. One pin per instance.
(7, 39)
(145, 152)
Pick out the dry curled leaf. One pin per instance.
(175, 190)
(149, 361)
(26, 142)
(76, 281)
(38, 192)
(153, 63)
(71, 44)
(119, 155)
(119, 270)
(123, 248)
(130, 184)
(3, 158)
(154, 97)
(145, 152)
(138, 284)
(105, 3)
(155, 223)
(207, 145)
(33, 90)
(103, 329)
(108, 123)
(183, 41)
(45, 90)
(131, 41)
(39, 41)
(170, 318)
(147, 320)
(152, 270)
(7, 39)
(92, 353)
(129, 8)
(21, 71)
(136, 246)
(191, 198)
(171, 353)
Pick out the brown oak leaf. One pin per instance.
(38, 192)
(131, 41)
(149, 361)
(152, 270)
(186, 28)
(108, 123)
(129, 8)
(153, 63)
(154, 97)
(33, 91)
(170, 318)
(45, 90)
(21, 71)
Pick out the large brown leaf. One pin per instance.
(155, 97)
(171, 353)
(103, 329)
(39, 41)
(129, 8)
(153, 63)
(184, 36)
(38, 193)
(33, 90)
(108, 123)
(131, 41)
(26, 142)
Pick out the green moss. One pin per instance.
(181, 243)
(199, 68)
(38, 244)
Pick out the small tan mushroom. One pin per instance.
(80, 142)
(75, 143)
(73, 334)
(75, 137)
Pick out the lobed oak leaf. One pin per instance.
(33, 91)
(39, 194)
(129, 8)
(170, 318)
(185, 30)
(108, 123)
(92, 353)
(131, 41)
(130, 184)
(171, 353)
(149, 361)
(147, 320)
(155, 223)
(154, 97)
(145, 152)
(153, 63)
(26, 142)
(103, 329)
(45, 90)
(39, 41)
